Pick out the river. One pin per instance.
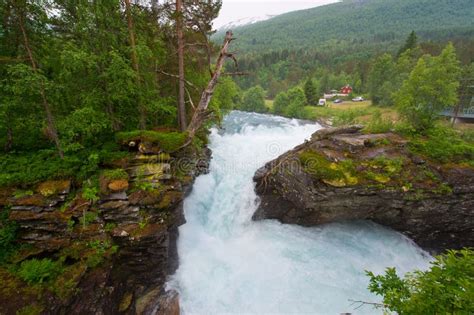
(230, 264)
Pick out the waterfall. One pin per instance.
(230, 264)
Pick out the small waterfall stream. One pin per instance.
(232, 265)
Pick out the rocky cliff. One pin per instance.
(342, 174)
(115, 245)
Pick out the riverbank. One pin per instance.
(105, 246)
(343, 174)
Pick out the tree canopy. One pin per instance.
(431, 87)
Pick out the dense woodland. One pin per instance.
(74, 73)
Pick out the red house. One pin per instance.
(346, 89)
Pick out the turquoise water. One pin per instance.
(232, 265)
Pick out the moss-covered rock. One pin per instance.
(166, 141)
(53, 187)
(341, 174)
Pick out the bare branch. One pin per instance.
(362, 303)
(190, 99)
(177, 77)
(200, 113)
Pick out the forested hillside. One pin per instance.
(358, 22)
(338, 41)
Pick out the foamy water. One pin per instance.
(232, 265)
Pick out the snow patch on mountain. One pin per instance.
(245, 21)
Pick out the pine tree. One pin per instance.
(311, 92)
(410, 43)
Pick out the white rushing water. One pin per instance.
(230, 264)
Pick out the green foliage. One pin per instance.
(446, 288)
(33, 167)
(254, 100)
(431, 87)
(99, 250)
(378, 124)
(311, 92)
(168, 141)
(8, 233)
(117, 173)
(341, 39)
(37, 271)
(343, 21)
(410, 43)
(91, 189)
(84, 72)
(226, 95)
(296, 103)
(280, 103)
(380, 80)
(82, 127)
(444, 145)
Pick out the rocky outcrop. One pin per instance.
(117, 248)
(342, 174)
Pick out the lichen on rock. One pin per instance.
(342, 174)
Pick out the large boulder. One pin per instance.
(342, 174)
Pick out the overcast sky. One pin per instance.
(233, 10)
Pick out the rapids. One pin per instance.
(230, 264)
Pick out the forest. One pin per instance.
(74, 74)
(337, 42)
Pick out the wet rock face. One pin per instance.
(139, 214)
(341, 174)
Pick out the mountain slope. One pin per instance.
(360, 21)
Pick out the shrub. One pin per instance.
(446, 288)
(378, 124)
(37, 271)
(444, 145)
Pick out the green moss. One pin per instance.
(19, 193)
(335, 174)
(115, 174)
(168, 141)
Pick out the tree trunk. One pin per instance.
(200, 112)
(181, 96)
(52, 131)
(135, 61)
